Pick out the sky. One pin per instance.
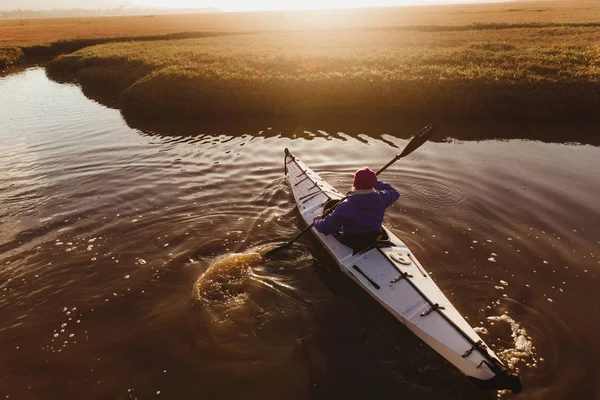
(224, 5)
(250, 5)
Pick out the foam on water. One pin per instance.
(523, 350)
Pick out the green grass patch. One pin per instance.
(536, 72)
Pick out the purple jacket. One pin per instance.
(361, 212)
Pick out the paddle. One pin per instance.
(420, 138)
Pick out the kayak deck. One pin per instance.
(393, 276)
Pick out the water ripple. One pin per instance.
(119, 227)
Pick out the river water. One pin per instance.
(118, 274)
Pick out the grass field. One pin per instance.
(461, 73)
(517, 60)
(43, 31)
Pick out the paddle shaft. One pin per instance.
(386, 166)
(416, 142)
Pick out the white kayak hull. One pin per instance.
(393, 276)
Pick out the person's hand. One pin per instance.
(318, 217)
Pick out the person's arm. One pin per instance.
(332, 222)
(387, 192)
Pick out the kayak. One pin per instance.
(393, 276)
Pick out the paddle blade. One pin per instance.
(272, 252)
(419, 139)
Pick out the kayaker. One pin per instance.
(356, 222)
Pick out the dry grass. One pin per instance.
(43, 31)
(523, 59)
(534, 72)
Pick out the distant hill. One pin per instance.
(100, 12)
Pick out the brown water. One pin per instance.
(117, 278)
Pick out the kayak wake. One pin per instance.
(232, 279)
(224, 282)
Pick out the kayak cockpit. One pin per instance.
(368, 242)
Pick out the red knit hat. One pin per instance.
(364, 178)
